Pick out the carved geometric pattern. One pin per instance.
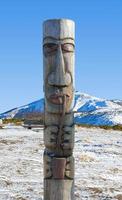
(51, 135)
(58, 167)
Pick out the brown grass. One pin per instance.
(96, 190)
(9, 142)
(118, 197)
(115, 127)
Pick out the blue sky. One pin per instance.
(98, 47)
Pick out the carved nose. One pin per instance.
(59, 77)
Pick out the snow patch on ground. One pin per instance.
(98, 164)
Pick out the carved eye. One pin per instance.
(49, 48)
(68, 47)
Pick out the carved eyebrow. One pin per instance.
(52, 38)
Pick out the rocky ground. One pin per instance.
(98, 164)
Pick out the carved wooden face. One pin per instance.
(58, 73)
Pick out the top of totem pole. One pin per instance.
(59, 28)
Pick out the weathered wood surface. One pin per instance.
(58, 61)
(58, 168)
(58, 189)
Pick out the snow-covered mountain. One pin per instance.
(20, 112)
(88, 110)
(97, 111)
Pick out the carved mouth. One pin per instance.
(58, 98)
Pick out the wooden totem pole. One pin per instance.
(58, 54)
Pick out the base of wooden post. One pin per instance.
(58, 189)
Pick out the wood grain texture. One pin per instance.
(58, 168)
(59, 28)
(58, 189)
